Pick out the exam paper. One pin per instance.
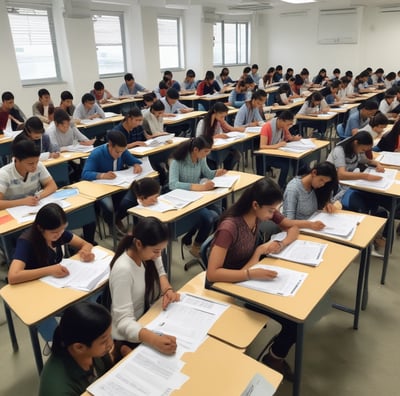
(179, 198)
(387, 179)
(389, 158)
(225, 181)
(299, 146)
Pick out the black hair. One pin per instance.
(286, 115)
(134, 112)
(7, 96)
(128, 77)
(157, 106)
(259, 94)
(379, 70)
(224, 72)
(298, 80)
(49, 217)
(390, 76)
(279, 67)
(284, 88)
(190, 73)
(87, 97)
(146, 187)
(323, 193)
(349, 73)
(363, 138)
(33, 124)
(117, 138)
(167, 74)
(24, 149)
(344, 80)
(65, 95)
(149, 96)
(314, 97)
(336, 70)
(248, 80)
(98, 86)
(389, 141)
(187, 147)
(172, 93)
(304, 72)
(270, 70)
(335, 84)
(369, 105)
(82, 323)
(43, 92)
(265, 192)
(247, 70)
(209, 129)
(254, 66)
(209, 75)
(60, 116)
(150, 231)
(378, 119)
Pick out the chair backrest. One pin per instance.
(205, 251)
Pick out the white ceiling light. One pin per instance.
(298, 1)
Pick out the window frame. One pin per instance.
(50, 18)
(236, 23)
(181, 62)
(120, 15)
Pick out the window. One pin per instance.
(231, 43)
(109, 45)
(34, 42)
(169, 42)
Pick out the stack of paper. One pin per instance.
(299, 146)
(180, 198)
(287, 283)
(78, 148)
(329, 114)
(83, 276)
(387, 179)
(225, 181)
(389, 158)
(236, 135)
(110, 114)
(340, 225)
(256, 129)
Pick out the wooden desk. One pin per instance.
(316, 152)
(290, 106)
(195, 99)
(175, 218)
(182, 117)
(35, 301)
(100, 127)
(362, 239)
(207, 375)
(325, 120)
(115, 105)
(393, 193)
(298, 308)
(176, 141)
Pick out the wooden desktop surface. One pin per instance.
(65, 156)
(249, 136)
(181, 117)
(35, 300)
(116, 102)
(320, 279)
(101, 121)
(176, 141)
(289, 106)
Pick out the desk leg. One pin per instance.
(36, 348)
(389, 239)
(361, 276)
(11, 329)
(298, 359)
(364, 300)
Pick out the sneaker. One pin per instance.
(375, 253)
(195, 249)
(280, 365)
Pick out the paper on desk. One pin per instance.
(256, 129)
(126, 177)
(287, 283)
(225, 181)
(160, 207)
(340, 225)
(77, 148)
(387, 179)
(235, 134)
(389, 158)
(188, 320)
(258, 386)
(329, 114)
(300, 251)
(180, 198)
(159, 140)
(25, 213)
(109, 114)
(299, 146)
(144, 372)
(222, 142)
(88, 121)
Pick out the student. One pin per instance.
(246, 73)
(336, 74)
(295, 85)
(208, 87)
(146, 191)
(361, 83)
(235, 250)
(237, 97)
(167, 82)
(274, 134)
(378, 76)
(66, 103)
(223, 78)
(267, 79)
(131, 127)
(62, 133)
(283, 94)
(153, 122)
(305, 75)
(136, 281)
(34, 130)
(88, 109)
(80, 353)
(25, 180)
(321, 78)
(346, 89)
(249, 113)
(10, 112)
(187, 169)
(213, 126)
(389, 103)
(348, 157)
(314, 104)
(359, 118)
(189, 83)
(309, 192)
(38, 253)
(149, 98)
(100, 94)
(330, 93)
(288, 74)
(43, 108)
(278, 74)
(390, 80)
(390, 141)
(376, 126)
(172, 105)
(254, 73)
(130, 87)
(103, 161)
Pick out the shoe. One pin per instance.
(195, 250)
(379, 243)
(187, 239)
(120, 226)
(280, 365)
(375, 253)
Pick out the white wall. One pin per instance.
(290, 41)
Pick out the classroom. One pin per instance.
(68, 45)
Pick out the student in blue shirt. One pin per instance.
(359, 118)
(189, 83)
(88, 109)
(249, 114)
(130, 87)
(103, 161)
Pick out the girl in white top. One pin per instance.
(153, 122)
(314, 104)
(137, 279)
